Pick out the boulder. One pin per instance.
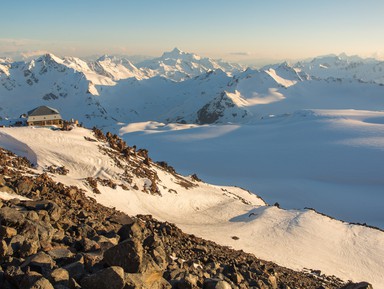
(52, 208)
(106, 243)
(33, 216)
(11, 217)
(188, 282)
(60, 253)
(15, 244)
(111, 278)
(2, 180)
(60, 276)
(3, 248)
(7, 189)
(216, 284)
(40, 262)
(93, 261)
(122, 219)
(127, 254)
(29, 247)
(136, 230)
(39, 231)
(75, 269)
(54, 211)
(361, 285)
(89, 245)
(24, 186)
(273, 281)
(29, 280)
(7, 232)
(146, 281)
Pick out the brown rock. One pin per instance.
(60, 276)
(2, 180)
(89, 245)
(29, 247)
(111, 278)
(24, 186)
(121, 219)
(7, 232)
(7, 189)
(15, 244)
(75, 269)
(135, 230)
(189, 282)
(216, 284)
(11, 217)
(40, 283)
(273, 281)
(146, 280)
(3, 248)
(33, 280)
(127, 254)
(33, 216)
(361, 285)
(60, 253)
(40, 262)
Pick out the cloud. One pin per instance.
(239, 53)
(28, 54)
(23, 49)
(379, 55)
(13, 44)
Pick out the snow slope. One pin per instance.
(331, 160)
(293, 238)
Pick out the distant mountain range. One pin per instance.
(184, 87)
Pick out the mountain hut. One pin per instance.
(44, 116)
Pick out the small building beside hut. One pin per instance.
(44, 116)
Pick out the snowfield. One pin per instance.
(330, 160)
(294, 238)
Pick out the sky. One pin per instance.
(244, 30)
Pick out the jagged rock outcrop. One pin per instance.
(221, 108)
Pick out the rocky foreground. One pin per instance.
(61, 239)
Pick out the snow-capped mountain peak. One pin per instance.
(175, 53)
(49, 58)
(107, 57)
(178, 54)
(178, 65)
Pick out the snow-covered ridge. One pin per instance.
(112, 89)
(344, 67)
(294, 238)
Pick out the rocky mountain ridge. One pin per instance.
(54, 236)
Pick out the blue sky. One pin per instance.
(244, 30)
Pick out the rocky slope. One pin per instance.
(54, 236)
